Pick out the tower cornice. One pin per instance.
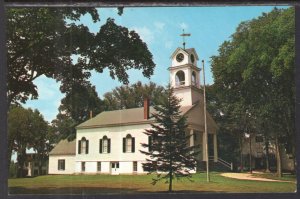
(184, 66)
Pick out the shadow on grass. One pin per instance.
(91, 191)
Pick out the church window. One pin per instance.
(193, 78)
(82, 166)
(104, 145)
(180, 78)
(128, 144)
(192, 58)
(61, 165)
(83, 146)
(98, 166)
(135, 166)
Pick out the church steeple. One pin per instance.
(185, 75)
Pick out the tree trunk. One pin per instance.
(250, 154)
(21, 160)
(171, 181)
(40, 168)
(267, 156)
(171, 175)
(278, 157)
(241, 151)
(39, 161)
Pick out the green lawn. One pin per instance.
(98, 184)
(285, 176)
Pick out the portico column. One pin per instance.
(215, 148)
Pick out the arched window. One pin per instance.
(194, 78)
(104, 145)
(180, 78)
(128, 144)
(83, 146)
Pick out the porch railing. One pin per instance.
(223, 162)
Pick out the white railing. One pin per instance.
(223, 162)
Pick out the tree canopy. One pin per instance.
(75, 108)
(27, 129)
(254, 75)
(43, 41)
(131, 96)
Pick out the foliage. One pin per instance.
(12, 172)
(75, 108)
(131, 96)
(46, 41)
(254, 76)
(27, 129)
(168, 152)
(228, 136)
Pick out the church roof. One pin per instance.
(64, 147)
(122, 117)
(188, 51)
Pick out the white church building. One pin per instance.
(110, 142)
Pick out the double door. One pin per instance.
(114, 167)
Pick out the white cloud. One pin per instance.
(47, 88)
(159, 25)
(169, 44)
(183, 25)
(145, 33)
(49, 97)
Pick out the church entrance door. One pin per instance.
(115, 168)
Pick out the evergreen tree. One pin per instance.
(169, 155)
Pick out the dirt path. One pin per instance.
(248, 176)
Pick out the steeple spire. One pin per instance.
(184, 35)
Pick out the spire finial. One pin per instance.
(184, 35)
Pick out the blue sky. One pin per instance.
(160, 28)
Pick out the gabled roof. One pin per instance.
(64, 147)
(187, 51)
(122, 117)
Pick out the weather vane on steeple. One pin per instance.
(184, 35)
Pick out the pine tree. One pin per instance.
(169, 155)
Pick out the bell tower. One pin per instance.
(185, 76)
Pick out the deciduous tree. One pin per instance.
(43, 41)
(255, 71)
(131, 96)
(27, 129)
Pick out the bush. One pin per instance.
(12, 173)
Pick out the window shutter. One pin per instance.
(108, 146)
(79, 146)
(63, 167)
(124, 145)
(58, 164)
(150, 143)
(87, 147)
(133, 145)
(100, 145)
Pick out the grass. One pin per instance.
(127, 184)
